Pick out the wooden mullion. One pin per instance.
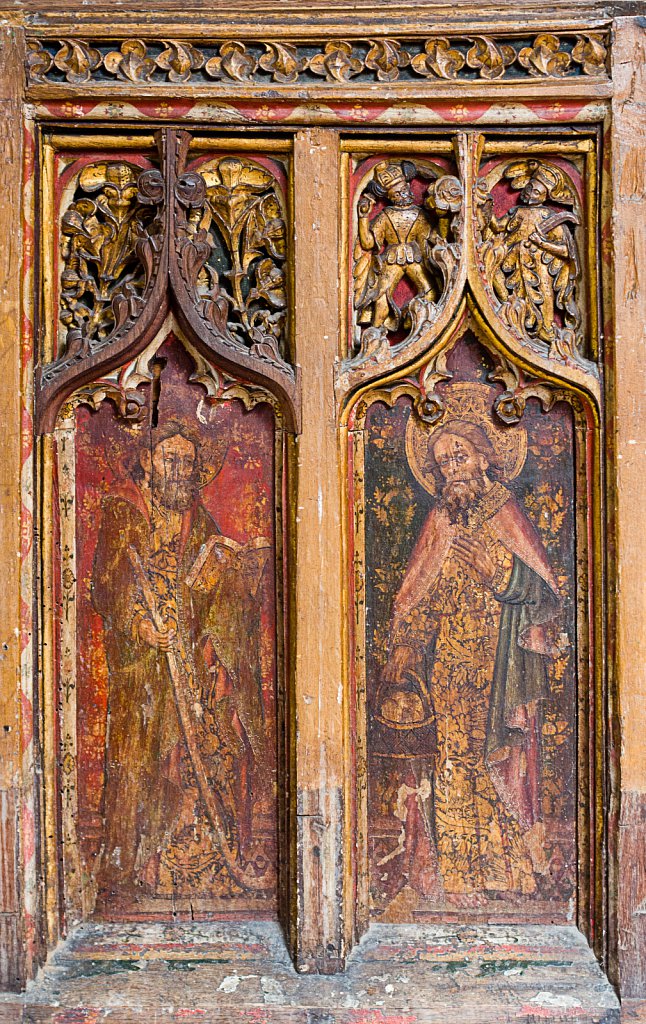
(319, 940)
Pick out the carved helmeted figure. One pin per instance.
(390, 247)
(531, 257)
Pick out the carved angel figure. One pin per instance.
(391, 246)
(531, 258)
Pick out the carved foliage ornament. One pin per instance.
(234, 249)
(227, 231)
(508, 407)
(107, 245)
(139, 61)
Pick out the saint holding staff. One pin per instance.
(186, 729)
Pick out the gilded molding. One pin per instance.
(548, 55)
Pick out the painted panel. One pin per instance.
(167, 631)
(470, 654)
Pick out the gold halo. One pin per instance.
(471, 403)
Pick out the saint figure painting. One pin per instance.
(176, 698)
(456, 708)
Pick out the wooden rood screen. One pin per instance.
(319, 497)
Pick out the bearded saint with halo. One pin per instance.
(468, 647)
(185, 711)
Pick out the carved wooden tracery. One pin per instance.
(137, 243)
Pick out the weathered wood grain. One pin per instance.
(296, 17)
(10, 505)
(629, 270)
(318, 588)
(405, 975)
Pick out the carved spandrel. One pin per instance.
(137, 244)
(110, 244)
(405, 251)
(530, 252)
(232, 217)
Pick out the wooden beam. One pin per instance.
(629, 285)
(319, 934)
(12, 966)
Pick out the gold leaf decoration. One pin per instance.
(591, 53)
(545, 58)
(439, 58)
(131, 63)
(283, 61)
(102, 274)
(386, 57)
(337, 62)
(234, 62)
(78, 60)
(38, 61)
(489, 58)
(179, 59)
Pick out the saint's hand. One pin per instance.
(402, 660)
(160, 638)
(477, 556)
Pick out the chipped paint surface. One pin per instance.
(396, 975)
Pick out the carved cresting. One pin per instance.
(333, 62)
(137, 242)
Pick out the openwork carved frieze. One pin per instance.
(530, 253)
(335, 61)
(406, 248)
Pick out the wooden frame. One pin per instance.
(326, 928)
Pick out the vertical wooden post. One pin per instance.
(629, 271)
(12, 961)
(319, 939)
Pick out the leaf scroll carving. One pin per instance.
(545, 57)
(108, 250)
(233, 252)
(78, 60)
(439, 58)
(491, 59)
(334, 62)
